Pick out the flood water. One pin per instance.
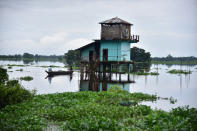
(180, 87)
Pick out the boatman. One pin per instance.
(50, 69)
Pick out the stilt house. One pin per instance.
(113, 48)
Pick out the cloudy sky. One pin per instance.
(55, 26)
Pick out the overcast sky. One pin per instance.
(55, 26)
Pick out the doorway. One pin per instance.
(90, 55)
(105, 54)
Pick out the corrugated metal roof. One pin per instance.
(115, 20)
(85, 46)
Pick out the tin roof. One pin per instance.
(85, 46)
(115, 20)
(90, 44)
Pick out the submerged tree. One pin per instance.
(140, 55)
(72, 57)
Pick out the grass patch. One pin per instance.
(95, 111)
(174, 71)
(26, 78)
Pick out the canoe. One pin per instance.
(52, 73)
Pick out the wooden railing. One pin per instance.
(135, 38)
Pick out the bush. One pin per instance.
(3, 75)
(11, 92)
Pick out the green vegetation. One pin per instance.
(11, 57)
(11, 92)
(74, 67)
(52, 66)
(171, 99)
(145, 73)
(27, 57)
(26, 78)
(11, 65)
(140, 55)
(174, 71)
(3, 75)
(111, 110)
(175, 62)
(19, 70)
(170, 60)
(72, 57)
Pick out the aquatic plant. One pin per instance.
(174, 71)
(26, 78)
(10, 65)
(95, 111)
(146, 73)
(172, 100)
(154, 73)
(53, 66)
(19, 70)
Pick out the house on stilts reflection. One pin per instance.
(111, 53)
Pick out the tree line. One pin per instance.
(191, 60)
(171, 58)
(32, 57)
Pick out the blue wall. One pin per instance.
(85, 53)
(125, 51)
(117, 51)
(115, 48)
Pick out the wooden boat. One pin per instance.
(53, 73)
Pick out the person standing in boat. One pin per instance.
(50, 69)
(71, 68)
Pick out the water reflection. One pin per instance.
(100, 83)
(51, 77)
(86, 85)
